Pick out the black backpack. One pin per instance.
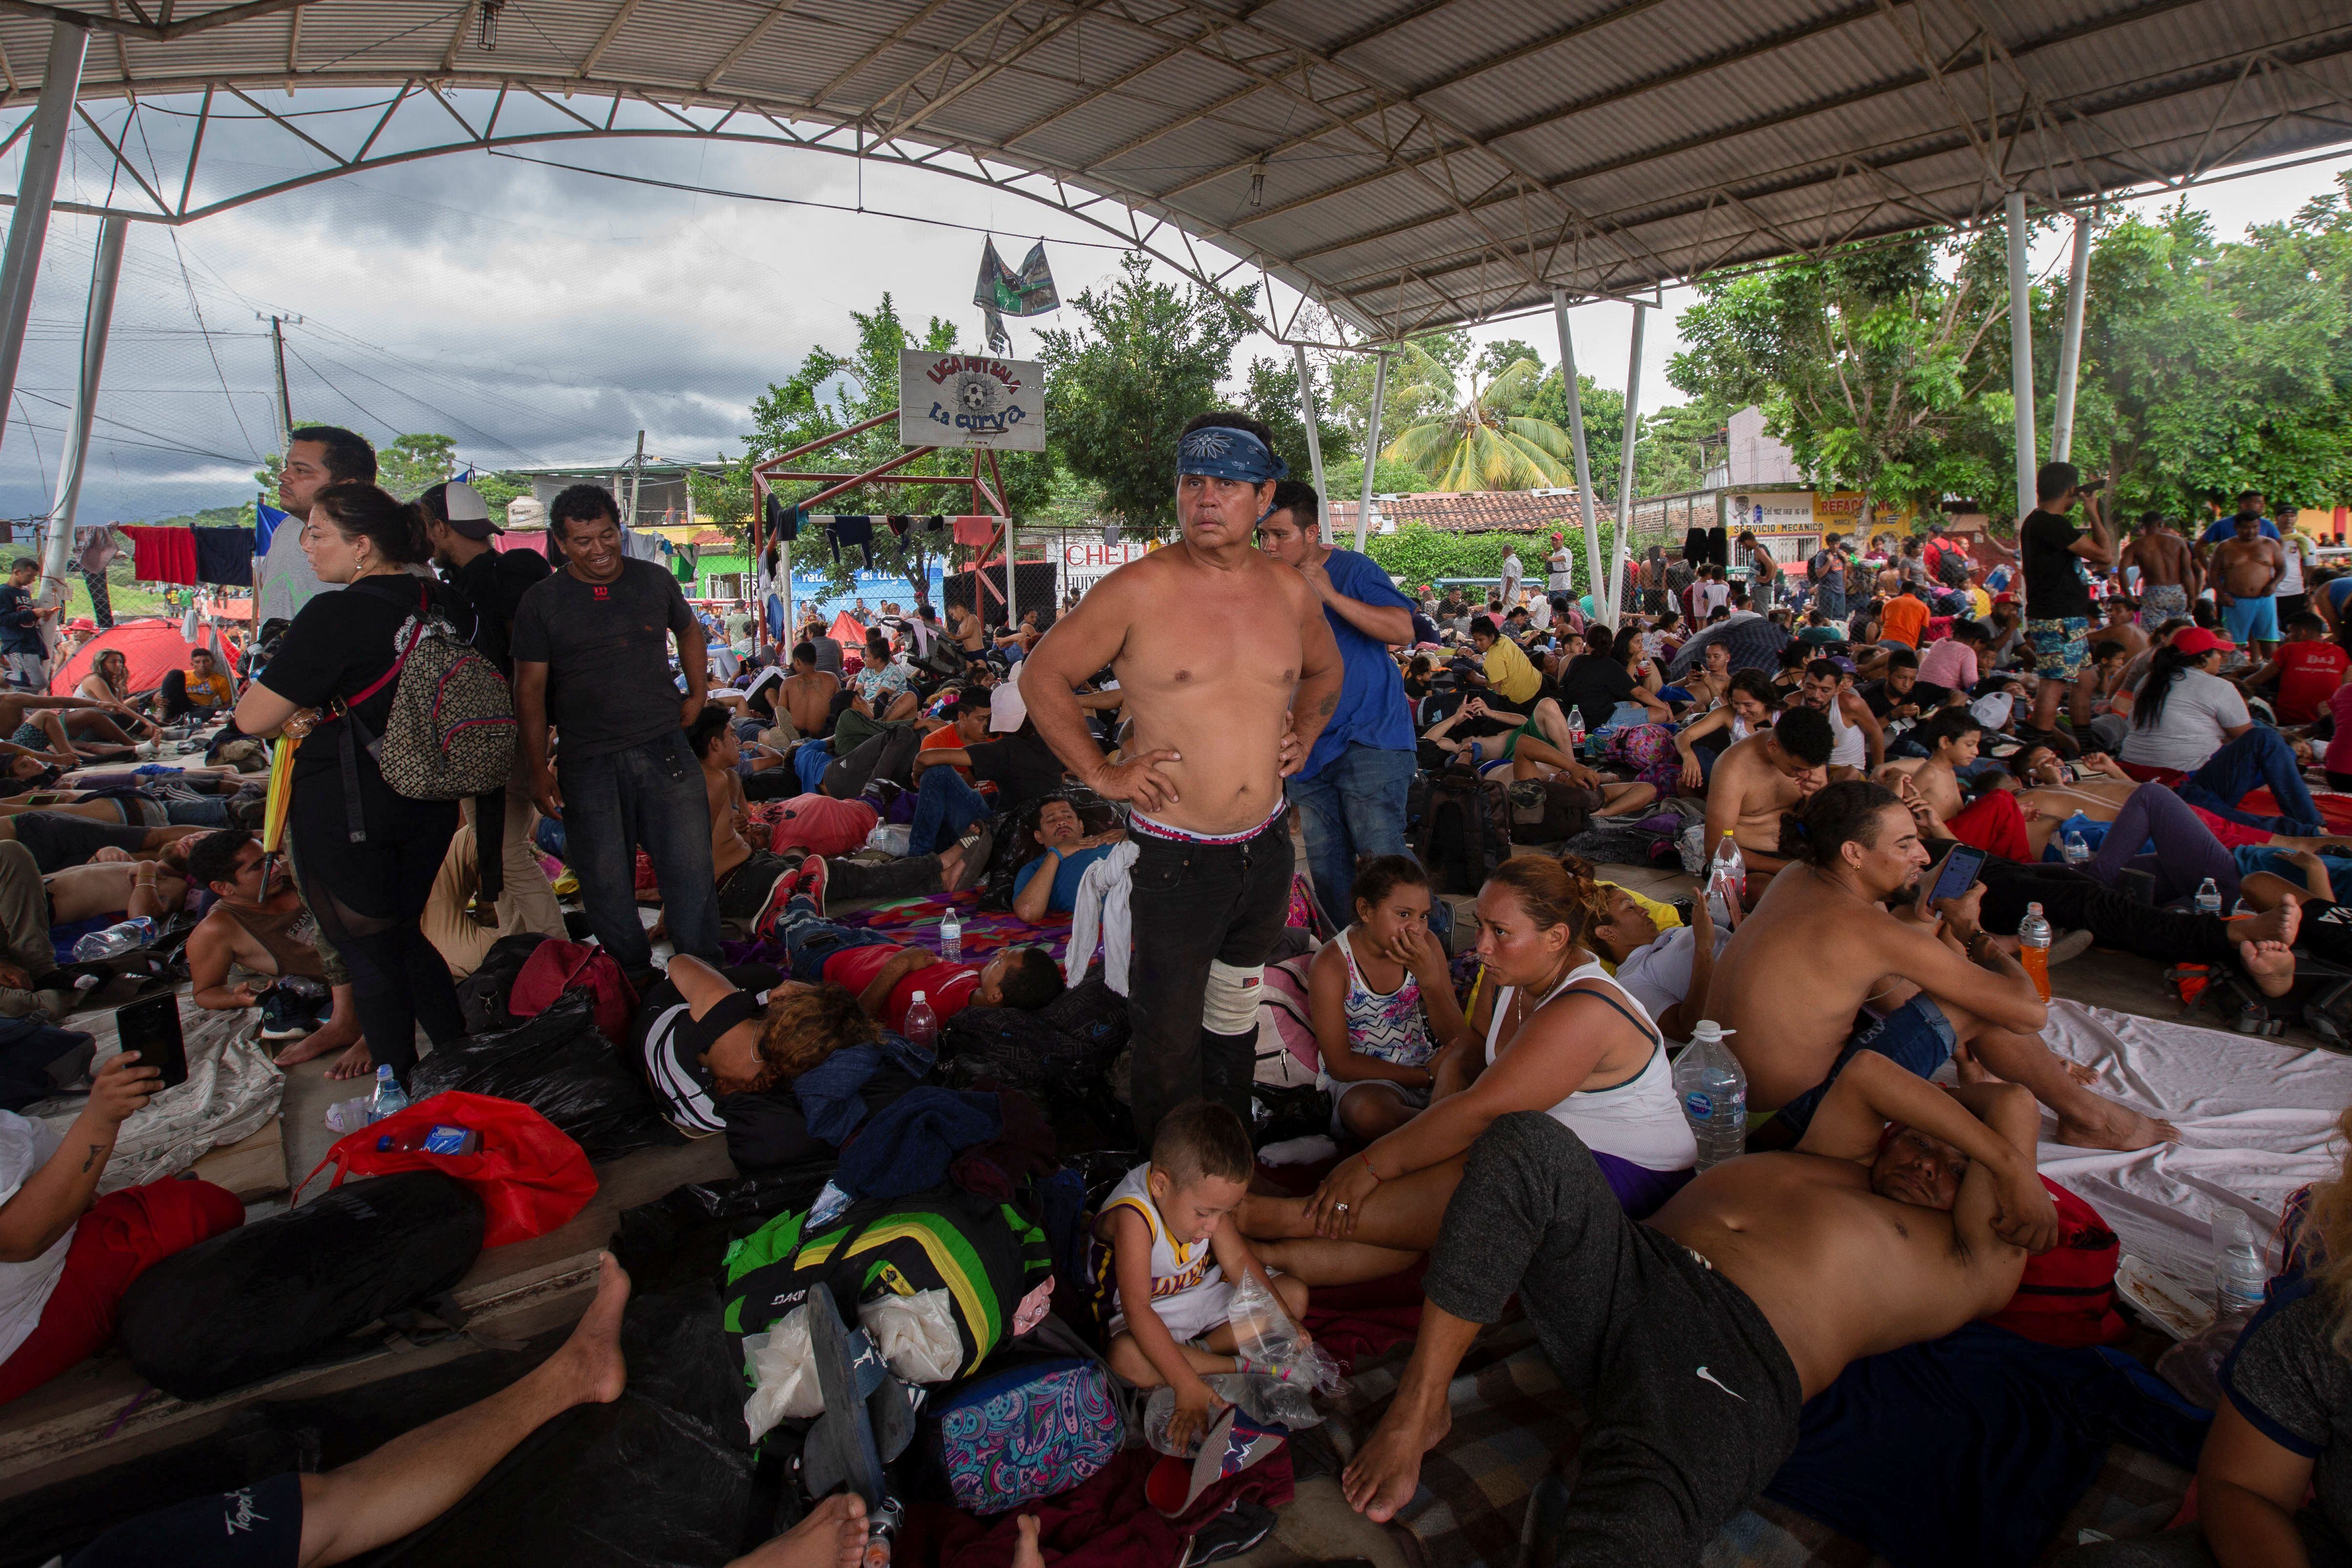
(1466, 831)
(1951, 566)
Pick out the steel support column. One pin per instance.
(1372, 446)
(2020, 351)
(2070, 346)
(1314, 439)
(105, 271)
(1576, 438)
(1609, 612)
(20, 267)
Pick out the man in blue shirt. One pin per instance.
(20, 626)
(1350, 791)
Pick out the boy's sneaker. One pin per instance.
(1240, 1526)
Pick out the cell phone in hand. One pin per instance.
(151, 1028)
(1960, 869)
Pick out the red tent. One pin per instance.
(846, 631)
(150, 646)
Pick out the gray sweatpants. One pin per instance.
(1691, 1403)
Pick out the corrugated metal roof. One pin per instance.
(1408, 163)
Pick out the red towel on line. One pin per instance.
(163, 554)
(980, 531)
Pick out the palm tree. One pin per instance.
(1489, 443)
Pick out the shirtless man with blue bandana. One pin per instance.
(1230, 672)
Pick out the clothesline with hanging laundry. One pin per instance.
(856, 529)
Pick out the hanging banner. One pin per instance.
(1085, 562)
(971, 400)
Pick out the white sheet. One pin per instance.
(233, 1091)
(2257, 1120)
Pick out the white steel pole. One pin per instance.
(1609, 612)
(105, 271)
(1576, 437)
(1372, 446)
(2070, 346)
(1314, 438)
(2020, 351)
(36, 190)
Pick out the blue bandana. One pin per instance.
(1222, 452)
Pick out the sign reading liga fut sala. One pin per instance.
(971, 400)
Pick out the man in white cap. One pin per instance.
(490, 583)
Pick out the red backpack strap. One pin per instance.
(424, 608)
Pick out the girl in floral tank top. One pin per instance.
(1382, 1002)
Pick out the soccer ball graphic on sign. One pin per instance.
(976, 394)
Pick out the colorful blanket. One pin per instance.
(916, 923)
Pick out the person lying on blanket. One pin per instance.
(887, 976)
(1907, 1211)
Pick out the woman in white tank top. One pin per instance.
(1557, 1037)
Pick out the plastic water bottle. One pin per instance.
(389, 1097)
(124, 936)
(923, 1026)
(1575, 730)
(2240, 1274)
(2208, 897)
(1713, 1088)
(2033, 949)
(1727, 880)
(951, 938)
(2076, 849)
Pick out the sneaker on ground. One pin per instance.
(1240, 1526)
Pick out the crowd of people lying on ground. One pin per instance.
(1125, 771)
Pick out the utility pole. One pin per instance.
(277, 352)
(637, 477)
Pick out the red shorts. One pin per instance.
(121, 1237)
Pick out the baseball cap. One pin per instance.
(468, 513)
(1006, 710)
(2197, 640)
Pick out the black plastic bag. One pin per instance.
(661, 1477)
(272, 1295)
(560, 1065)
(482, 996)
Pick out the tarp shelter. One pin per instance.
(845, 630)
(150, 647)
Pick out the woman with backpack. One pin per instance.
(365, 855)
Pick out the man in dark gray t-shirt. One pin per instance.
(592, 660)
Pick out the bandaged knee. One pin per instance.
(1230, 1004)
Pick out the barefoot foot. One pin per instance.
(2114, 1126)
(2270, 965)
(1386, 1472)
(1025, 1552)
(832, 1536)
(589, 1365)
(353, 1063)
(2279, 925)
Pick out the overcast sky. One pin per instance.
(540, 316)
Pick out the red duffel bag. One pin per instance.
(529, 1176)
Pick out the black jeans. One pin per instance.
(1194, 904)
(367, 899)
(2074, 900)
(648, 794)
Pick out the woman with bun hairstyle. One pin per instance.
(1560, 1038)
(366, 856)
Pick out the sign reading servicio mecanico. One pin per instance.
(971, 400)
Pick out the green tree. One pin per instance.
(1865, 362)
(1270, 395)
(831, 391)
(1488, 442)
(1145, 357)
(411, 465)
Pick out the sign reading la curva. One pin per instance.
(971, 400)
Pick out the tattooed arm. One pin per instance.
(54, 1196)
